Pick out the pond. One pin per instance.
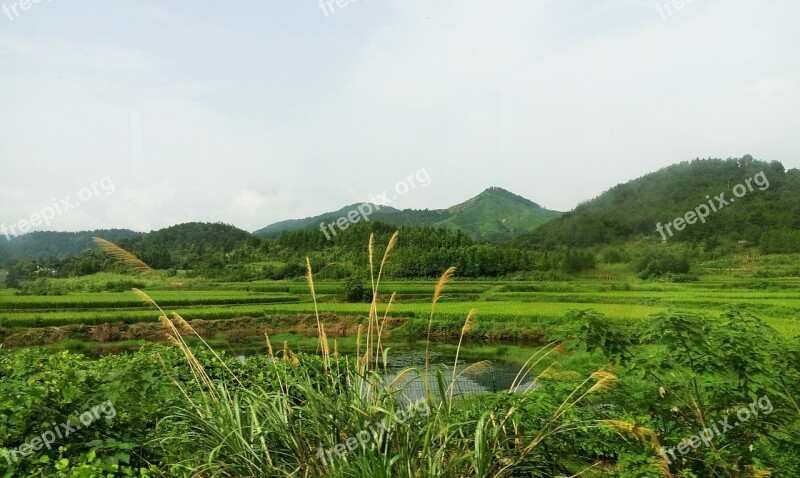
(473, 374)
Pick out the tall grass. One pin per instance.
(307, 420)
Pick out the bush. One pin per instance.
(613, 255)
(658, 262)
(356, 291)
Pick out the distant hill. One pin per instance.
(632, 210)
(495, 215)
(44, 244)
(158, 246)
(195, 236)
(385, 214)
(183, 244)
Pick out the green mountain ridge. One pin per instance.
(495, 215)
(43, 244)
(631, 211)
(768, 217)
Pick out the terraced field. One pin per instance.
(503, 306)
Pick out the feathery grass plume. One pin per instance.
(605, 380)
(373, 326)
(358, 341)
(174, 337)
(172, 340)
(527, 367)
(443, 280)
(185, 325)
(437, 293)
(147, 299)
(644, 435)
(566, 375)
(125, 257)
(371, 251)
(289, 356)
(468, 324)
(475, 368)
(324, 345)
(373, 303)
(378, 348)
(549, 372)
(167, 324)
(389, 247)
(661, 463)
(269, 346)
(320, 332)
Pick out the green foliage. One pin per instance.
(45, 244)
(495, 215)
(629, 211)
(613, 255)
(575, 261)
(700, 371)
(356, 290)
(659, 261)
(780, 242)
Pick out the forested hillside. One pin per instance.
(768, 214)
(765, 213)
(185, 245)
(495, 215)
(40, 245)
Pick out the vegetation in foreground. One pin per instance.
(272, 415)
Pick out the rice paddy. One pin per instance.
(501, 304)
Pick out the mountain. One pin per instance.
(387, 214)
(43, 244)
(184, 244)
(182, 239)
(495, 215)
(769, 206)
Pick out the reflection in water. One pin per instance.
(470, 378)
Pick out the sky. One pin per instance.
(145, 114)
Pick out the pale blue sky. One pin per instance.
(253, 112)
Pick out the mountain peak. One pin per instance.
(494, 215)
(494, 193)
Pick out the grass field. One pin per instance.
(503, 306)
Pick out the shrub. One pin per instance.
(660, 261)
(355, 290)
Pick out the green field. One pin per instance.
(503, 306)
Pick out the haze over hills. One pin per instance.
(495, 215)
